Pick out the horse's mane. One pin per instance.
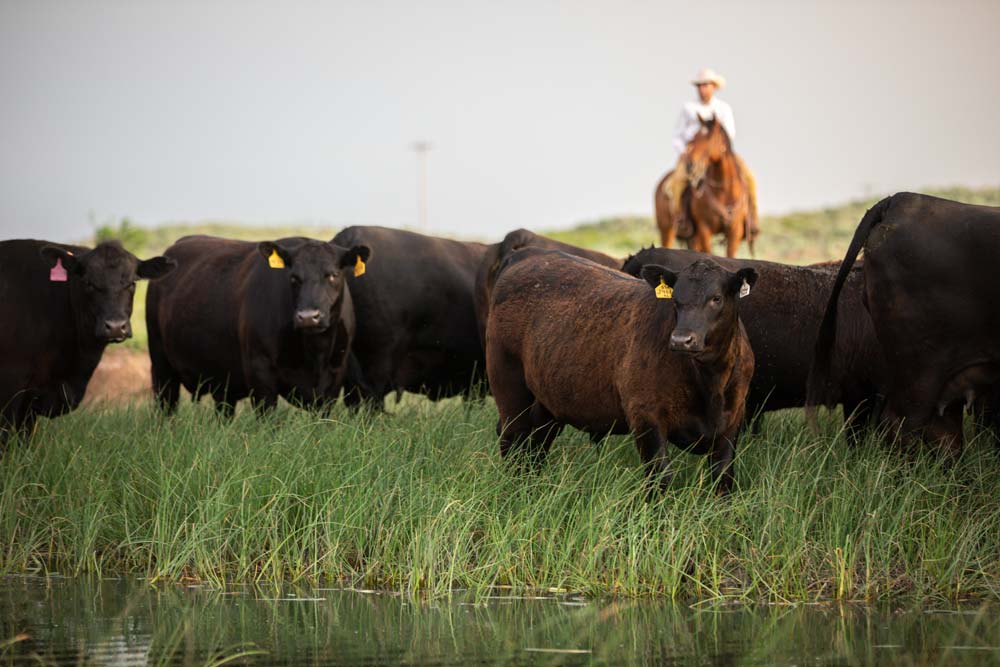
(710, 125)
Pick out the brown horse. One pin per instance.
(716, 199)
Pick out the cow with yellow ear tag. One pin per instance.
(263, 320)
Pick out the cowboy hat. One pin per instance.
(708, 75)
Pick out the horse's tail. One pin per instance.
(818, 389)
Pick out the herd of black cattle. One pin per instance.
(670, 345)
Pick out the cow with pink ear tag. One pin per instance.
(61, 306)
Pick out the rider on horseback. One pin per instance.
(690, 122)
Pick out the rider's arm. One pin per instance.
(683, 133)
(728, 121)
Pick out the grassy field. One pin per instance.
(419, 501)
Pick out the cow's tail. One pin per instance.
(818, 389)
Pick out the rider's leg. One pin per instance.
(751, 182)
(675, 188)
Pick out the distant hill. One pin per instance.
(801, 237)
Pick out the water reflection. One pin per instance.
(126, 622)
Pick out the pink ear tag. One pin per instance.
(58, 273)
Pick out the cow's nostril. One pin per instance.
(307, 317)
(117, 329)
(682, 340)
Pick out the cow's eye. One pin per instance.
(716, 300)
(295, 280)
(331, 277)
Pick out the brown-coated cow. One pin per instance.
(665, 358)
(782, 319)
(521, 238)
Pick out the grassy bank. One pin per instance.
(419, 501)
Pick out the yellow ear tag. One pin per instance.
(275, 261)
(359, 268)
(663, 290)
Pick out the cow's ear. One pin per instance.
(351, 257)
(155, 267)
(69, 261)
(741, 281)
(652, 273)
(276, 256)
(356, 257)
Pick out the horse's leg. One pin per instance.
(734, 235)
(668, 230)
(703, 235)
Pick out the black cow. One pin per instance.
(262, 320)
(416, 315)
(486, 275)
(665, 358)
(782, 319)
(60, 306)
(933, 304)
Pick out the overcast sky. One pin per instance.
(541, 114)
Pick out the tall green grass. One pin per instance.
(419, 501)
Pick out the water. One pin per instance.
(61, 621)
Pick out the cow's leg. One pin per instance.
(722, 455)
(377, 382)
(913, 400)
(225, 406)
(653, 453)
(18, 420)
(166, 384)
(946, 431)
(358, 391)
(857, 419)
(514, 402)
(544, 429)
(263, 402)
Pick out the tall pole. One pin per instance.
(421, 148)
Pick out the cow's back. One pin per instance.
(521, 238)
(580, 334)
(414, 309)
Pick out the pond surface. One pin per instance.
(62, 621)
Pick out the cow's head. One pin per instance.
(316, 272)
(102, 285)
(705, 296)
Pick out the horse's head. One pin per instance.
(709, 145)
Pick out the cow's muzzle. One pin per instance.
(114, 331)
(687, 342)
(310, 320)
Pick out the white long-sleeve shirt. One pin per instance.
(688, 123)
